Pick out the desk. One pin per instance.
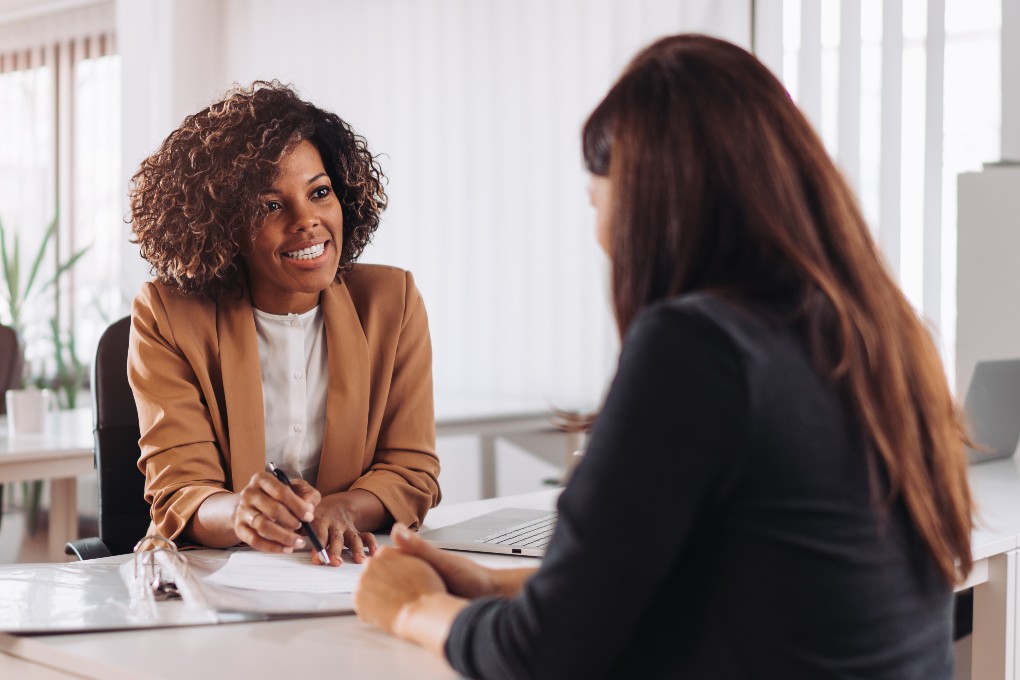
(59, 454)
(343, 645)
(65, 450)
(307, 648)
(996, 546)
(309, 645)
(489, 419)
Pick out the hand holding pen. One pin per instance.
(267, 514)
(272, 511)
(305, 526)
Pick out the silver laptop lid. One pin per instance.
(508, 531)
(993, 409)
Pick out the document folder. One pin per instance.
(160, 587)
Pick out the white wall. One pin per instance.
(171, 65)
(988, 278)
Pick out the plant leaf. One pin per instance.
(71, 261)
(37, 262)
(19, 292)
(58, 349)
(14, 284)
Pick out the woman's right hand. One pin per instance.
(268, 514)
(462, 576)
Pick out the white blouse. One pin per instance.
(295, 377)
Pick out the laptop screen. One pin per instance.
(993, 409)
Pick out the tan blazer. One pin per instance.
(193, 365)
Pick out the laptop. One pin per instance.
(993, 409)
(509, 531)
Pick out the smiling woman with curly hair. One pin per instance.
(261, 340)
(196, 203)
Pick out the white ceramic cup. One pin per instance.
(26, 410)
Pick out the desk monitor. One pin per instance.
(993, 409)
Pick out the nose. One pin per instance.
(305, 218)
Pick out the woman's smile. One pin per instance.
(308, 254)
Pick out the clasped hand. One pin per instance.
(399, 576)
(268, 517)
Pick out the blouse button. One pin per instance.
(298, 428)
(298, 375)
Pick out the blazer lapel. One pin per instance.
(343, 446)
(242, 388)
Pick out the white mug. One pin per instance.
(26, 410)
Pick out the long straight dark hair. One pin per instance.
(719, 182)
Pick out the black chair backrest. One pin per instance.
(123, 511)
(11, 361)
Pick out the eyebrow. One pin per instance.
(271, 190)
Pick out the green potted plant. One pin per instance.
(21, 287)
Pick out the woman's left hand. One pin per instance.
(335, 525)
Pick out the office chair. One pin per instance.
(11, 362)
(123, 510)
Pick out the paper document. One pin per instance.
(293, 573)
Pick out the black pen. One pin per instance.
(319, 550)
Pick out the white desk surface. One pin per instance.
(338, 646)
(342, 644)
(996, 490)
(59, 454)
(468, 408)
(63, 449)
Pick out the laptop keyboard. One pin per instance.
(533, 534)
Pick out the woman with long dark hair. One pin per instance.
(776, 483)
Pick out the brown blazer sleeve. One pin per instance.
(181, 460)
(405, 468)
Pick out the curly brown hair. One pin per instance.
(195, 206)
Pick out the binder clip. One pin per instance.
(156, 569)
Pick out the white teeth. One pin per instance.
(307, 253)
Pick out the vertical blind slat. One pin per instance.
(809, 85)
(767, 36)
(849, 135)
(63, 81)
(891, 132)
(1010, 79)
(935, 47)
